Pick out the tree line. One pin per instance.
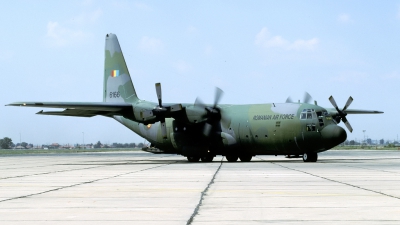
(7, 143)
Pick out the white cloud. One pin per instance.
(398, 13)
(344, 18)
(208, 50)
(73, 30)
(350, 77)
(60, 36)
(6, 55)
(87, 2)
(87, 17)
(142, 6)
(264, 39)
(150, 45)
(392, 76)
(182, 66)
(191, 29)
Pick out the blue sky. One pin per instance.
(257, 52)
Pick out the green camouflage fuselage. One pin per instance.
(262, 129)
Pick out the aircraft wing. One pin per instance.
(360, 111)
(81, 109)
(354, 111)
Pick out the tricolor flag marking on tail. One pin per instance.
(114, 73)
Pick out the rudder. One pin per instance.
(118, 86)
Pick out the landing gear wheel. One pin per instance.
(193, 158)
(310, 157)
(245, 158)
(232, 158)
(207, 158)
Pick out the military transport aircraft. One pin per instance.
(202, 131)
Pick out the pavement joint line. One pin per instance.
(60, 171)
(28, 167)
(340, 182)
(203, 193)
(372, 169)
(57, 171)
(87, 182)
(221, 221)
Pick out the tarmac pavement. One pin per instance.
(343, 187)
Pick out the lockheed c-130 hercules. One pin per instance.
(202, 131)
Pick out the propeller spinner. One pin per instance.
(160, 111)
(342, 113)
(214, 113)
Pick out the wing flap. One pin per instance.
(77, 113)
(81, 109)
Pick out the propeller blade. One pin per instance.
(207, 129)
(218, 95)
(333, 102)
(199, 103)
(349, 101)
(289, 100)
(163, 129)
(348, 126)
(307, 98)
(158, 90)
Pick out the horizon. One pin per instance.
(257, 52)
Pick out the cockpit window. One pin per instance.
(308, 114)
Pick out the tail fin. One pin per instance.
(118, 86)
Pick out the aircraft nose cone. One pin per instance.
(333, 135)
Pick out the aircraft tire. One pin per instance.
(193, 158)
(232, 158)
(310, 157)
(245, 158)
(207, 158)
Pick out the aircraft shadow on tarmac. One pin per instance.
(184, 161)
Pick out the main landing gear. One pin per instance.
(230, 158)
(193, 158)
(243, 158)
(203, 159)
(310, 157)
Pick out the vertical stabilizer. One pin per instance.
(118, 86)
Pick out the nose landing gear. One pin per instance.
(310, 157)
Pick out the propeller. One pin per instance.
(214, 113)
(160, 111)
(306, 99)
(289, 100)
(342, 113)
